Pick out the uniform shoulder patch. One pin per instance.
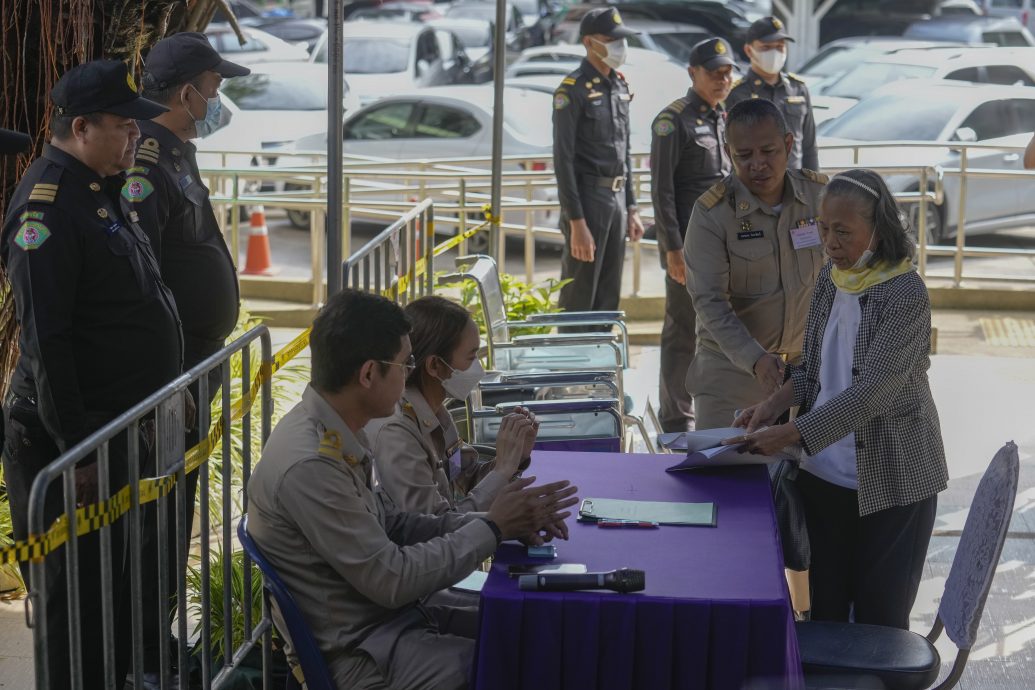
(32, 234)
(136, 189)
(815, 176)
(796, 77)
(331, 444)
(664, 125)
(148, 150)
(561, 100)
(677, 106)
(714, 195)
(43, 193)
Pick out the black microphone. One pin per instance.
(624, 580)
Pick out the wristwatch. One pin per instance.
(495, 530)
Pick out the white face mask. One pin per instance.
(867, 254)
(615, 56)
(459, 384)
(770, 61)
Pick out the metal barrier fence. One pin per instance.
(388, 264)
(121, 520)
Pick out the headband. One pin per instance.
(857, 183)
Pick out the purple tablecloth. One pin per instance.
(715, 613)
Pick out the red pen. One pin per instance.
(642, 524)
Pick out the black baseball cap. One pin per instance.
(181, 57)
(102, 86)
(605, 21)
(767, 29)
(711, 53)
(13, 142)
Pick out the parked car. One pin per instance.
(1000, 31)
(475, 37)
(295, 31)
(838, 56)
(671, 38)
(399, 12)
(562, 59)
(945, 111)
(259, 46)
(883, 17)
(979, 65)
(519, 37)
(384, 58)
(1021, 10)
(451, 122)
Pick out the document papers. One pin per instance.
(662, 512)
(704, 449)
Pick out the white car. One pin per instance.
(971, 64)
(944, 111)
(385, 58)
(845, 53)
(451, 122)
(259, 46)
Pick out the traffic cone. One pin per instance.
(259, 262)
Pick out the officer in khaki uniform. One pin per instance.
(766, 46)
(752, 253)
(360, 569)
(686, 158)
(425, 466)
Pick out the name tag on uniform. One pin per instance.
(750, 235)
(625, 97)
(805, 236)
(703, 129)
(795, 99)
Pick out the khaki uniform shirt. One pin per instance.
(750, 287)
(425, 467)
(356, 565)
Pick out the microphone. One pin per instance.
(624, 580)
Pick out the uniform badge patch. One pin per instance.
(561, 101)
(31, 235)
(664, 127)
(137, 189)
(31, 215)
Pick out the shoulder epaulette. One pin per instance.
(678, 105)
(714, 195)
(331, 445)
(815, 176)
(570, 81)
(148, 151)
(796, 77)
(45, 191)
(407, 409)
(737, 82)
(621, 76)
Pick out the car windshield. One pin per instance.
(375, 55)
(894, 117)
(862, 80)
(838, 59)
(678, 44)
(486, 11)
(277, 92)
(529, 115)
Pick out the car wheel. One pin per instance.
(298, 219)
(936, 230)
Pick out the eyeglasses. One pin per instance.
(408, 366)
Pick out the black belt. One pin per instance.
(615, 184)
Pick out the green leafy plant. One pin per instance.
(217, 586)
(11, 585)
(520, 299)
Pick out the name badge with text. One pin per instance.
(805, 236)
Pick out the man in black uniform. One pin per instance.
(593, 167)
(164, 190)
(99, 332)
(687, 157)
(766, 46)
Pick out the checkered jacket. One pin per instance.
(898, 443)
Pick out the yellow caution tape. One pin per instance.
(489, 217)
(93, 517)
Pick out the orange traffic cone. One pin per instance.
(259, 262)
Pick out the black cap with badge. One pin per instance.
(181, 57)
(13, 142)
(767, 29)
(102, 86)
(604, 21)
(711, 53)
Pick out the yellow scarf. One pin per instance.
(856, 280)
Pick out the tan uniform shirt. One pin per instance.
(356, 566)
(424, 465)
(750, 286)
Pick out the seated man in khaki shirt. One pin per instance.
(752, 254)
(359, 568)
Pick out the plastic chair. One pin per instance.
(847, 655)
(314, 668)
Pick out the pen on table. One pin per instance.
(643, 524)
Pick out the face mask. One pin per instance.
(615, 56)
(865, 257)
(460, 383)
(216, 117)
(770, 61)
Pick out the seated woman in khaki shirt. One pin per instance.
(421, 461)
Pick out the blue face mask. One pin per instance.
(215, 116)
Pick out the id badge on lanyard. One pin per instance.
(454, 461)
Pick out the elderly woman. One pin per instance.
(867, 422)
(421, 461)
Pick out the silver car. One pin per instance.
(948, 112)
